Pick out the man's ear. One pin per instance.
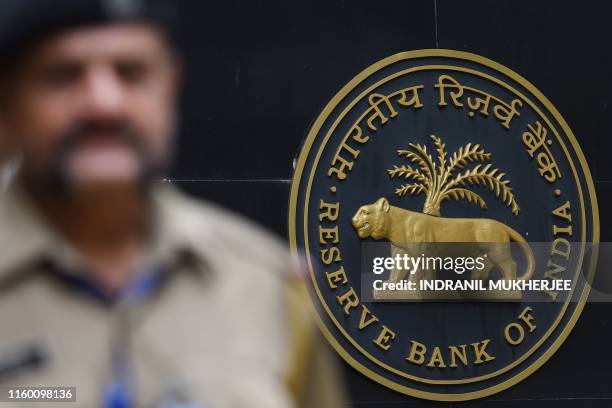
(176, 73)
(383, 204)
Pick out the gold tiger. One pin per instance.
(406, 229)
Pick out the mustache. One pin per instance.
(82, 131)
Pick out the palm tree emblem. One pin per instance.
(450, 179)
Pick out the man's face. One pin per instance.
(93, 106)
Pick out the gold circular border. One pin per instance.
(587, 175)
(343, 331)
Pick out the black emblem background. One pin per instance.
(440, 324)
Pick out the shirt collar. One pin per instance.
(183, 232)
(26, 238)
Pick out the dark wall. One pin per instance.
(258, 72)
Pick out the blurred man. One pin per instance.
(109, 281)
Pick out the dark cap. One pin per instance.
(25, 22)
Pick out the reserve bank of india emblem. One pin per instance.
(446, 217)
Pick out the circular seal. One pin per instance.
(438, 146)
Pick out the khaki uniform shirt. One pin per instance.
(225, 328)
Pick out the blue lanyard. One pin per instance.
(119, 392)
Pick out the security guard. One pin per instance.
(111, 282)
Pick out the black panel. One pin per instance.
(259, 72)
(561, 47)
(262, 201)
